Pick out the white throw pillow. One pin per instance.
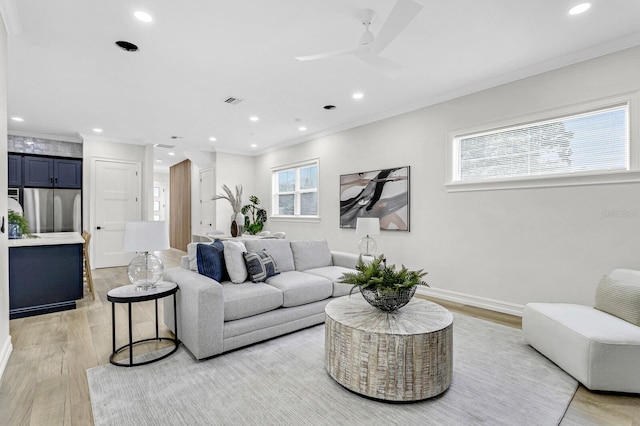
(234, 259)
(619, 299)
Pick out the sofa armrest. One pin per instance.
(200, 307)
(347, 260)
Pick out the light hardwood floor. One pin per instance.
(45, 380)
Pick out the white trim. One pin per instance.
(471, 300)
(5, 353)
(288, 218)
(632, 99)
(547, 182)
(297, 164)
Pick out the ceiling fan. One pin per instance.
(369, 45)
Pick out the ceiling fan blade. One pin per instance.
(385, 66)
(401, 14)
(357, 50)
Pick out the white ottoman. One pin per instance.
(600, 350)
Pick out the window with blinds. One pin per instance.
(295, 190)
(594, 141)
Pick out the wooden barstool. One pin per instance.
(85, 262)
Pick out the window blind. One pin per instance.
(590, 141)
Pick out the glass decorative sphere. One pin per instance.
(145, 271)
(368, 246)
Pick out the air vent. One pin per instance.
(232, 101)
(161, 145)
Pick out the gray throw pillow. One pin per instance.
(260, 266)
(619, 299)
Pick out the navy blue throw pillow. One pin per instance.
(210, 258)
(260, 266)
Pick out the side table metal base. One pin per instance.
(129, 294)
(149, 361)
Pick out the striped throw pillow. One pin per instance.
(260, 266)
(619, 299)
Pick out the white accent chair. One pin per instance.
(599, 349)
(263, 234)
(280, 235)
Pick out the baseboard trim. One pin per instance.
(471, 300)
(7, 348)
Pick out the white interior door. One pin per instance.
(117, 200)
(207, 189)
(159, 201)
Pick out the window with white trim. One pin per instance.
(587, 142)
(295, 190)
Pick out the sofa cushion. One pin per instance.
(620, 299)
(260, 266)
(334, 274)
(247, 299)
(280, 250)
(300, 288)
(210, 260)
(599, 350)
(234, 260)
(309, 254)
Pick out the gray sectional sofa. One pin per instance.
(216, 317)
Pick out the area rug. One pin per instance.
(497, 380)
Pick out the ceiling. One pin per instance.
(66, 76)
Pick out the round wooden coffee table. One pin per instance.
(404, 355)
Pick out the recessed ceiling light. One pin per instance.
(143, 16)
(254, 118)
(302, 128)
(17, 118)
(253, 145)
(358, 95)
(125, 45)
(97, 130)
(158, 161)
(582, 7)
(172, 153)
(212, 139)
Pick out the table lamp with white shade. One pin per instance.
(365, 227)
(143, 237)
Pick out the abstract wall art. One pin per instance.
(379, 193)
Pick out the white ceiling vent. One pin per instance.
(161, 145)
(232, 101)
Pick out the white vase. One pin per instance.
(239, 218)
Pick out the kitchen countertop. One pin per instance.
(48, 239)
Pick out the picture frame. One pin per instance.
(380, 193)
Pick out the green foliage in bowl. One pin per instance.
(376, 275)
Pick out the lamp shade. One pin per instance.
(368, 226)
(143, 236)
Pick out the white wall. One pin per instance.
(516, 246)
(5, 338)
(232, 170)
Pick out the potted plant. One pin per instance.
(237, 219)
(383, 286)
(18, 225)
(254, 216)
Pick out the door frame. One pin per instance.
(93, 192)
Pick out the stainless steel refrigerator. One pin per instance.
(53, 210)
